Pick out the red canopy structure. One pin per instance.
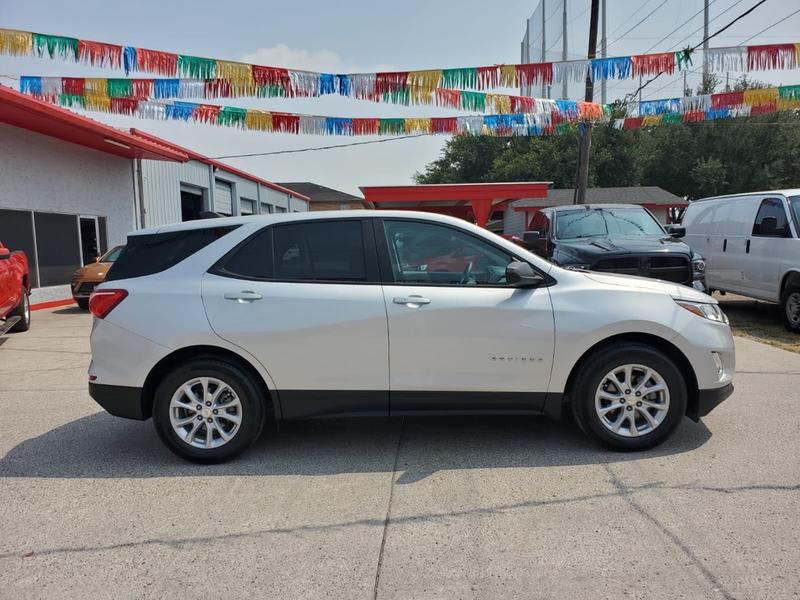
(470, 201)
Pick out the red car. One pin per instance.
(15, 287)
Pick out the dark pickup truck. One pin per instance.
(15, 310)
(616, 238)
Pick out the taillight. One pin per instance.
(103, 302)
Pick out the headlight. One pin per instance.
(699, 265)
(708, 311)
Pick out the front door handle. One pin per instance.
(412, 301)
(245, 296)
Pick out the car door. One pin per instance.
(6, 284)
(305, 299)
(460, 338)
(770, 239)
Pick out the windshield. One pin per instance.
(606, 221)
(111, 255)
(794, 202)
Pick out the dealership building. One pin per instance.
(71, 187)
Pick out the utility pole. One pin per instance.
(705, 43)
(586, 139)
(603, 48)
(544, 48)
(564, 85)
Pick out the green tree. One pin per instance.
(708, 176)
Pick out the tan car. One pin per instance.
(85, 279)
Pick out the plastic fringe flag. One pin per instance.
(129, 59)
(651, 120)
(534, 74)
(392, 126)
(239, 75)
(444, 125)
(303, 84)
(55, 46)
(152, 61)
(98, 101)
(338, 126)
(683, 58)
(15, 43)
(120, 88)
(611, 68)
(424, 82)
(327, 84)
(206, 113)
(99, 54)
(285, 123)
(363, 85)
(770, 57)
(460, 78)
(418, 126)
(470, 125)
(473, 101)
(727, 59)
(448, 98)
(590, 111)
(95, 85)
(390, 82)
(645, 65)
(508, 75)
(499, 104)
(488, 77)
(271, 76)
(232, 116)
(366, 126)
(690, 103)
(574, 71)
(51, 88)
(196, 67)
(258, 120)
(151, 110)
(760, 97)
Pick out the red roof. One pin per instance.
(29, 113)
(210, 161)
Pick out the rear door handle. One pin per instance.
(412, 301)
(243, 297)
(747, 247)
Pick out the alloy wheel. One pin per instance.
(205, 412)
(632, 400)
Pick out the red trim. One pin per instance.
(455, 191)
(650, 205)
(29, 113)
(52, 304)
(215, 163)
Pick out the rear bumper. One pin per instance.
(121, 401)
(708, 400)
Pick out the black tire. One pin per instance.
(23, 311)
(83, 303)
(252, 413)
(591, 375)
(791, 312)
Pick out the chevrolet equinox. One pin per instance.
(213, 327)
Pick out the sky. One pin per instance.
(364, 35)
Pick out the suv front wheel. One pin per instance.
(630, 397)
(208, 410)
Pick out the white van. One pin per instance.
(751, 243)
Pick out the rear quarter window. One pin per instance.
(156, 252)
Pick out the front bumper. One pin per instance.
(121, 401)
(708, 400)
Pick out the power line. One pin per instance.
(650, 14)
(297, 150)
(771, 26)
(703, 26)
(632, 15)
(695, 47)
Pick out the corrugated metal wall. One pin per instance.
(161, 192)
(513, 222)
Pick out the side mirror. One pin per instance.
(5, 253)
(676, 231)
(522, 275)
(531, 237)
(97, 259)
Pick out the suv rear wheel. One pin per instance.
(208, 410)
(630, 397)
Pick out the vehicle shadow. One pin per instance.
(70, 310)
(101, 446)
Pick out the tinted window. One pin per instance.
(112, 255)
(319, 251)
(156, 252)
(794, 201)
(253, 259)
(428, 253)
(771, 219)
(606, 221)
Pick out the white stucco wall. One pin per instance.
(38, 172)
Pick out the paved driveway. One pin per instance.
(93, 506)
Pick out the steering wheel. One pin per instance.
(465, 275)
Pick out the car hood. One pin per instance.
(617, 244)
(675, 290)
(95, 271)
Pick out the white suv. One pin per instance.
(212, 327)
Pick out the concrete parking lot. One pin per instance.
(94, 506)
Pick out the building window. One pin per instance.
(266, 208)
(280, 209)
(223, 198)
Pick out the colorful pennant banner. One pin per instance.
(90, 95)
(371, 85)
(193, 89)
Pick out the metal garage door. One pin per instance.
(59, 247)
(223, 198)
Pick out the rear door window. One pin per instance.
(156, 252)
(771, 219)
